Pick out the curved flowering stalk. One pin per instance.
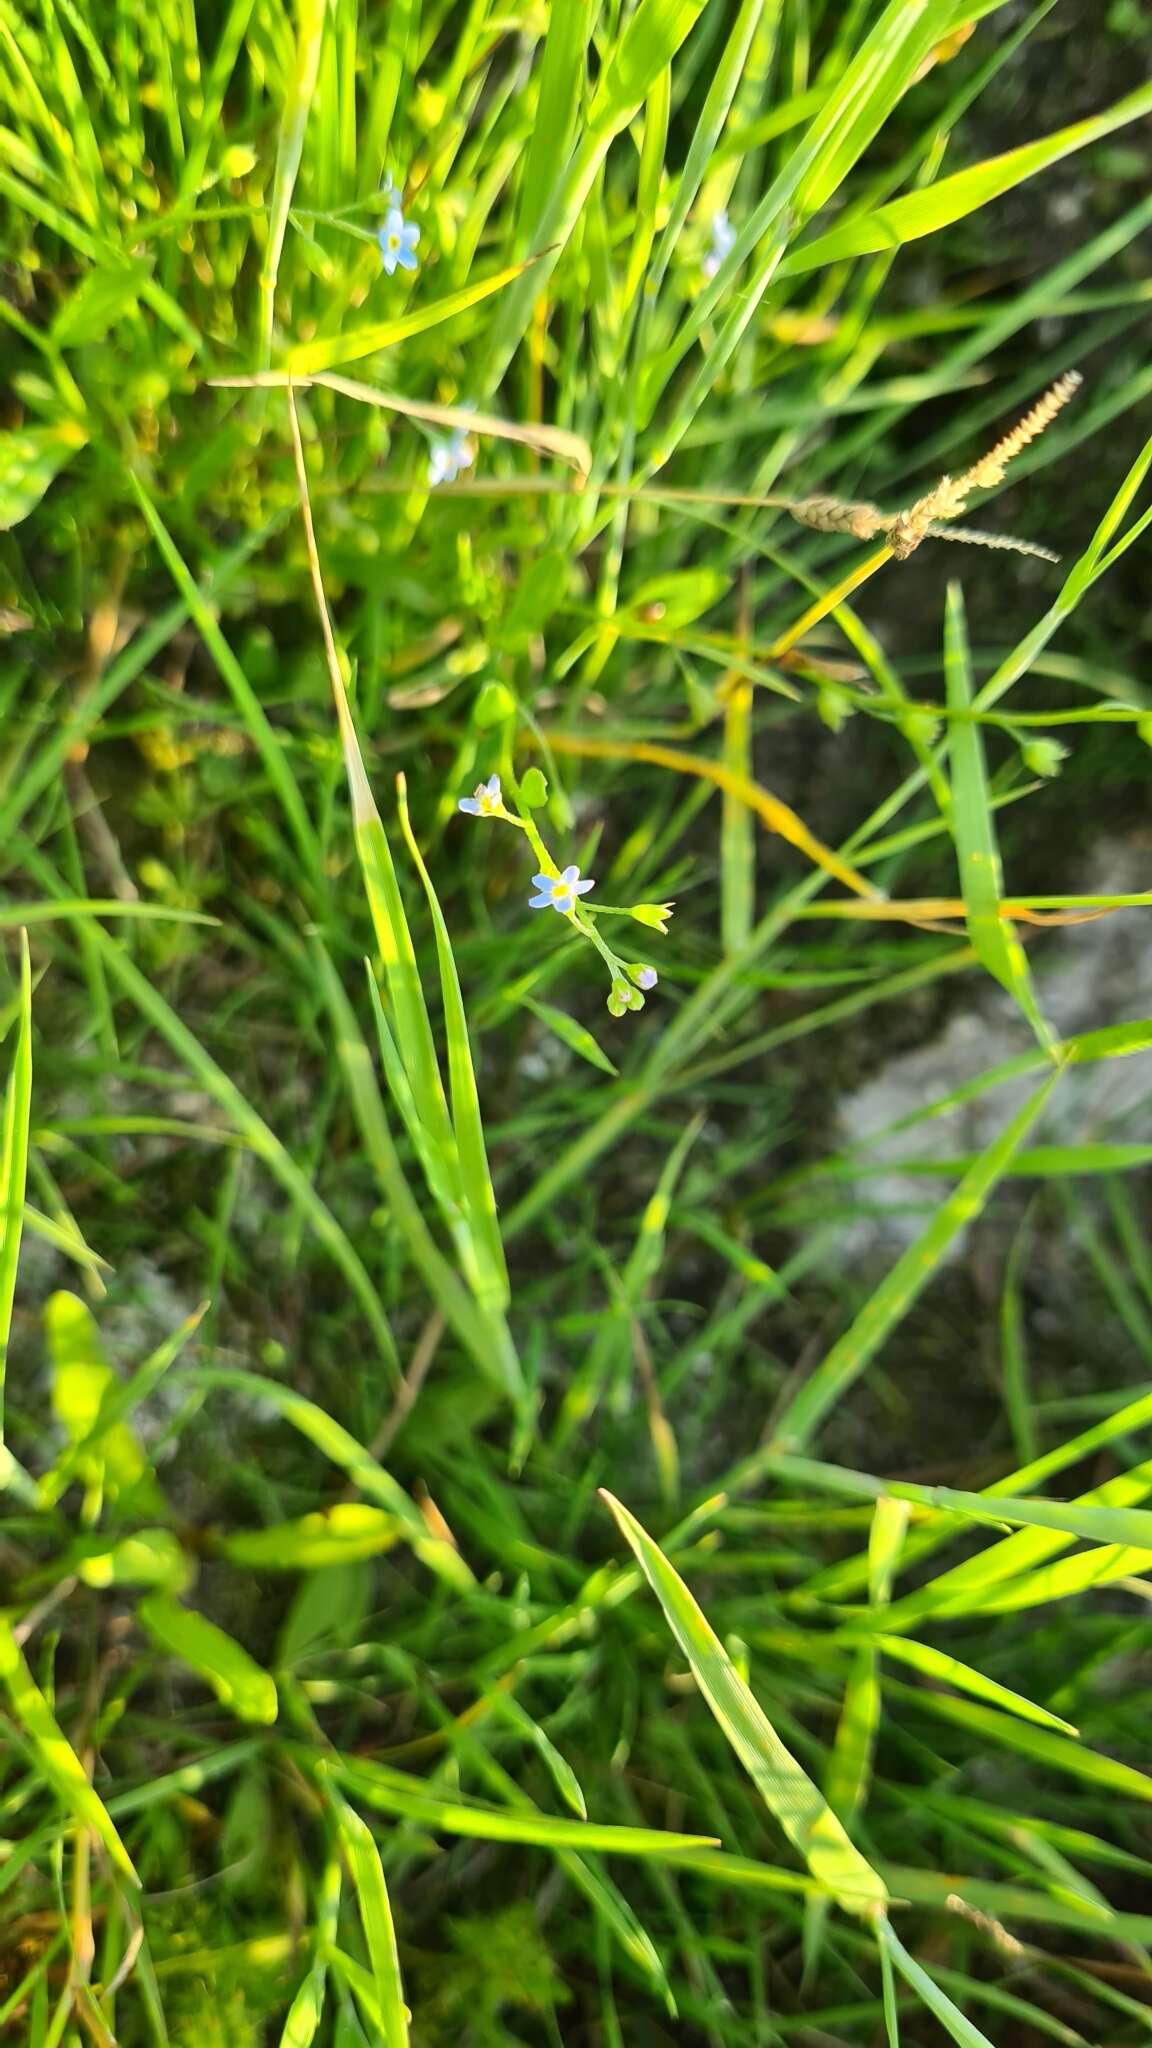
(924, 520)
(561, 890)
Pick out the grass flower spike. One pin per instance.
(398, 238)
(486, 800)
(559, 892)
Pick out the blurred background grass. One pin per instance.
(259, 1363)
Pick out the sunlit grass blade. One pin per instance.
(981, 883)
(354, 343)
(55, 1758)
(950, 199)
(409, 1797)
(309, 36)
(481, 1328)
(776, 815)
(14, 1162)
(938, 2002)
(588, 1384)
(475, 1175)
(787, 1790)
(376, 1918)
(938, 1665)
(305, 2011)
(1049, 1750)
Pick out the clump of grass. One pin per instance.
(480, 1589)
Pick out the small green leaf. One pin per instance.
(494, 704)
(533, 789)
(676, 598)
(937, 1664)
(335, 1535)
(235, 1677)
(150, 1557)
(101, 299)
(29, 460)
(573, 1034)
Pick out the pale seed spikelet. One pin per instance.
(836, 515)
(990, 469)
(905, 530)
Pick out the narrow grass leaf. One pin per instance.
(263, 736)
(367, 1874)
(55, 1757)
(484, 1333)
(351, 346)
(309, 37)
(954, 2022)
(787, 1790)
(937, 1664)
(576, 1036)
(14, 1162)
(396, 1792)
(305, 2011)
(468, 1126)
(950, 199)
(256, 1133)
(981, 883)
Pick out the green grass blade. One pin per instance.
(948, 200)
(367, 1874)
(787, 1790)
(310, 19)
(475, 1175)
(14, 1163)
(355, 343)
(483, 1331)
(306, 2011)
(954, 2022)
(55, 1757)
(399, 1793)
(938, 1665)
(981, 883)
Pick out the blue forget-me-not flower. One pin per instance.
(448, 455)
(559, 892)
(723, 241)
(398, 238)
(486, 800)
